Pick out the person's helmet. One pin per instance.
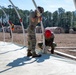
(48, 34)
(41, 9)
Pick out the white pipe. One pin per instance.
(75, 3)
(7, 22)
(3, 33)
(41, 27)
(19, 19)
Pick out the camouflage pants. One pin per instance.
(41, 44)
(32, 42)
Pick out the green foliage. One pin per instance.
(58, 18)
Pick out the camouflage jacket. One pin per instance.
(32, 25)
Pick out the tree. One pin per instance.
(68, 22)
(55, 18)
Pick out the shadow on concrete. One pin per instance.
(18, 62)
(12, 50)
(25, 60)
(43, 58)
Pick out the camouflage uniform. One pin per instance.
(34, 19)
(48, 42)
(31, 32)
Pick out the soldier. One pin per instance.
(49, 40)
(34, 19)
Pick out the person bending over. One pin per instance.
(49, 40)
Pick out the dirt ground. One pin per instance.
(62, 40)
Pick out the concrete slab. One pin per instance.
(13, 61)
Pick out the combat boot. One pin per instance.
(52, 51)
(35, 55)
(29, 53)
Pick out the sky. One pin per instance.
(48, 5)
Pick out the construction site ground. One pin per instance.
(65, 42)
(14, 61)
